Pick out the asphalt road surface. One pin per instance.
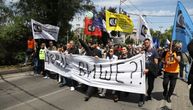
(23, 91)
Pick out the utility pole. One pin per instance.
(119, 13)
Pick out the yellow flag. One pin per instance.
(118, 22)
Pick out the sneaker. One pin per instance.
(168, 100)
(115, 99)
(72, 88)
(45, 77)
(140, 104)
(86, 98)
(101, 95)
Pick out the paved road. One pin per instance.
(23, 91)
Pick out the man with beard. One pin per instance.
(151, 63)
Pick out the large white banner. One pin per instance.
(123, 75)
(44, 31)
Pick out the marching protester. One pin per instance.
(151, 62)
(42, 56)
(36, 59)
(171, 71)
(110, 56)
(185, 61)
(131, 51)
(51, 47)
(62, 79)
(181, 63)
(123, 55)
(30, 49)
(190, 77)
(72, 50)
(90, 51)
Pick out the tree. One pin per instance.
(54, 12)
(15, 23)
(5, 13)
(167, 34)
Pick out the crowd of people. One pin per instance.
(167, 61)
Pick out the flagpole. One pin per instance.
(120, 7)
(119, 13)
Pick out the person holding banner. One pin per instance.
(171, 70)
(124, 55)
(110, 56)
(90, 51)
(72, 50)
(62, 79)
(152, 67)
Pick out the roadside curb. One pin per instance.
(16, 70)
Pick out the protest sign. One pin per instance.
(123, 75)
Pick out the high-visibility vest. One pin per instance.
(173, 66)
(42, 54)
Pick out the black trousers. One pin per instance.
(181, 70)
(91, 91)
(191, 94)
(151, 80)
(41, 67)
(169, 78)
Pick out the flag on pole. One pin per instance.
(143, 29)
(44, 31)
(90, 29)
(156, 42)
(98, 22)
(183, 26)
(118, 22)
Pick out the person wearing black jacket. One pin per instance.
(190, 77)
(90, 51)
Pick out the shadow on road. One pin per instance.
(157, 95)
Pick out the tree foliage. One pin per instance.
(167, 34)
(54, 12)
(15, 23)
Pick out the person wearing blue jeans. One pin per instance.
(187, 70)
